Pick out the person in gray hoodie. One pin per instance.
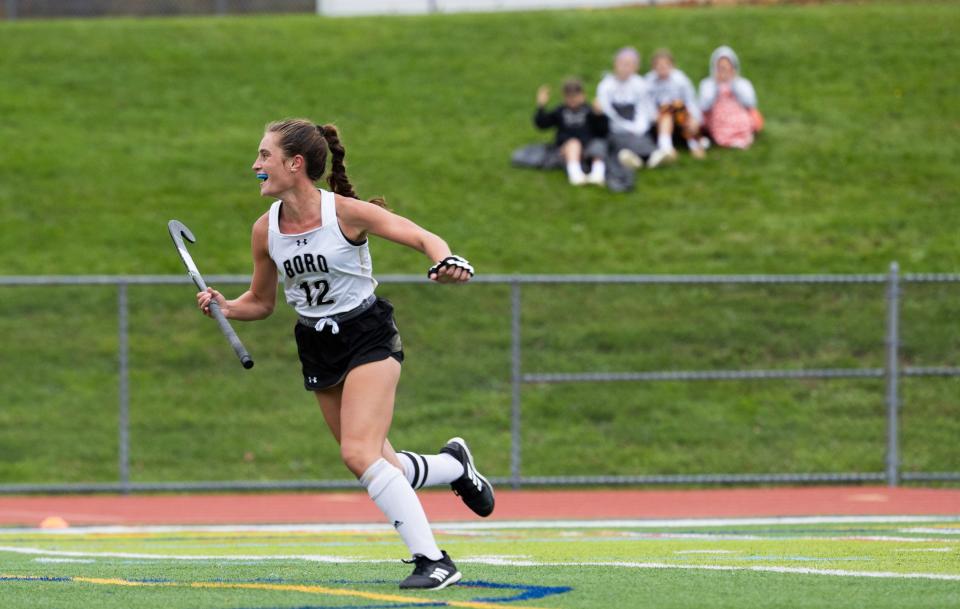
(729, 102)
(678, 111)
(625, 99)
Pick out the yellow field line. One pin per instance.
(102, 581)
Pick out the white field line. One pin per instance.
(880, 538)
(202, 557)
(791, 570)
(508, 563)
(931, 530)
(498, 525)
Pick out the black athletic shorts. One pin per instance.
(326, 358)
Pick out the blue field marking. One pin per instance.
(527, 592)
(38, 578)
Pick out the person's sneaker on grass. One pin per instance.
(630, 159)
(431, 574)
(472, 487)
(597, 175)
(575, 174)
(661, 156)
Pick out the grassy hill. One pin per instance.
(111, 127)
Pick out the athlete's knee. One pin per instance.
(358, 456)
(379, 476)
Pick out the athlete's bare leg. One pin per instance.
(359, 411)
(329, 401)
(365, 413)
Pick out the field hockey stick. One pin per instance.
(178, 231)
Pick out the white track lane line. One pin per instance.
(497, 525)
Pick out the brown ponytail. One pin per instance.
(300, 136)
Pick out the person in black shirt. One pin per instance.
(581, 130)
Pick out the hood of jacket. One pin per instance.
(718, 54)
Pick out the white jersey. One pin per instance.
(323, 272)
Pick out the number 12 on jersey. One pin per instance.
(322, 287)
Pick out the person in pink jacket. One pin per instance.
(729, 102)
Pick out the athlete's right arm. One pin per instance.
(258, 301)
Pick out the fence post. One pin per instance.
(515, 381)
(11, 9)
(124, 387)
(221, 7)
(893, 375)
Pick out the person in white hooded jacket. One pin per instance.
(625, 99)
(729, 102)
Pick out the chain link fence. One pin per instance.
(529, 359)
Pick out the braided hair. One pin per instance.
(313, 142)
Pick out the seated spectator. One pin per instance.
(580, 131)
(729, 102)
(625, 99)
(678, 112)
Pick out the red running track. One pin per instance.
(443, 506)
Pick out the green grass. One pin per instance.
(710, 567)
(111, 127)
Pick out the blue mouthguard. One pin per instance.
(262, 177)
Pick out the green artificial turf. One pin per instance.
(733, 566)
(111, 127)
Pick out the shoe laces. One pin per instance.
(421, 562)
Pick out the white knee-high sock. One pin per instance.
(429, 470)
(400, 504)
(665, 141)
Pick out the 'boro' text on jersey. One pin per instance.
(323, 272)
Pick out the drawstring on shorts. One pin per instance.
(324, 322)
(333, 321)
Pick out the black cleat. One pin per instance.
(475, 490)
(431, 574)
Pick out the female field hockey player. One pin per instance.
(348, 343)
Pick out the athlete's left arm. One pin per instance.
(361, 218)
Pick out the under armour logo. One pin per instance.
(312, 379)
(301, 241)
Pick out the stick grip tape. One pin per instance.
(231, 335)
